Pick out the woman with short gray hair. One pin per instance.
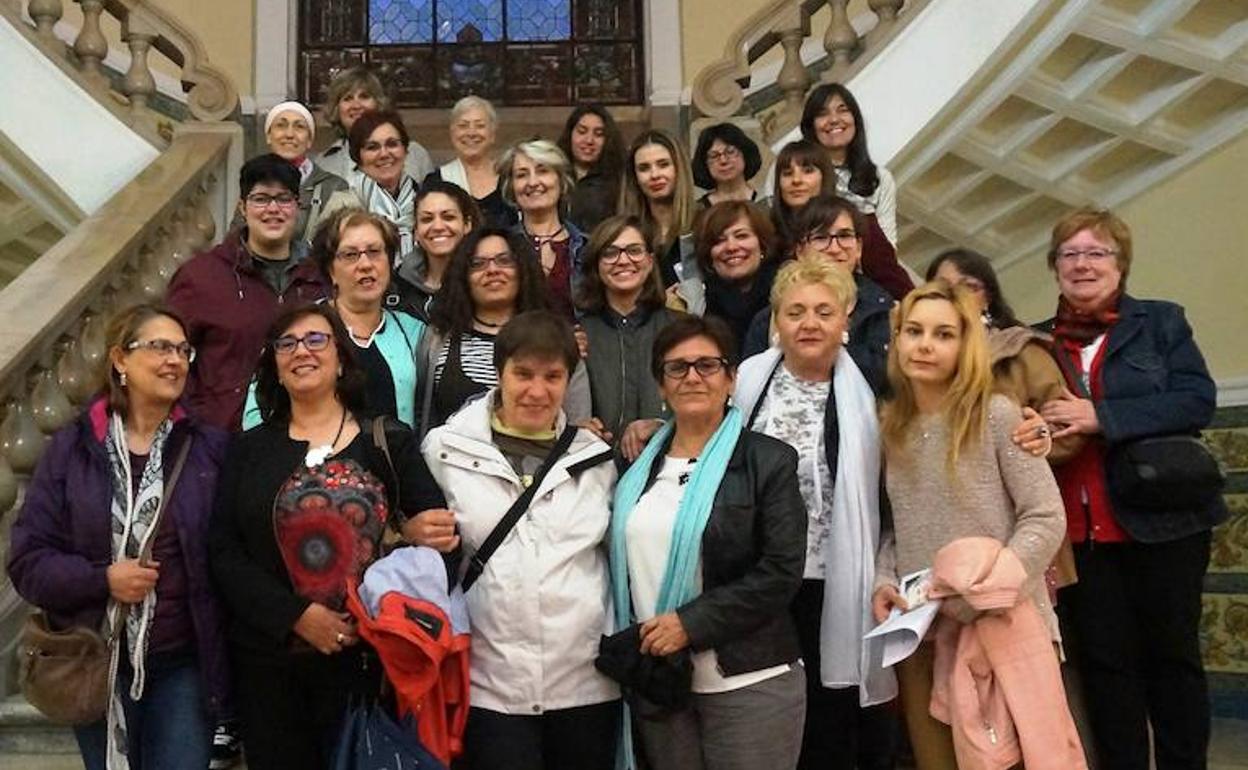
(474, 129)
(536, 178)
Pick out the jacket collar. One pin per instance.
(96, 417)
(469, 430)
(1132, 315)
(245, 261)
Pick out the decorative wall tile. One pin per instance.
(1224, 633)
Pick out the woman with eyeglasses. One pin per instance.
(1132, 370)
(833, 121)
(493, 276)
(353, 92)
(301, 508)
(289, 130)
(708, 538)
(354, 251)
(622, 304)
(88, 550)
(724, 163)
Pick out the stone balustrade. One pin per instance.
(719, 89)
(52, 344)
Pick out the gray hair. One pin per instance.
(542, 152)
(475, 103)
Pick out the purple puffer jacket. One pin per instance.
(61, 546)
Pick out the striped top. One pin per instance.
(476, 358)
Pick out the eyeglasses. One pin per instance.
(728, 153)
(707, 366)
(973, 285)
(312, 341)
(165, 348)
(353, 256)
(635, 251)
(504, 261)
(389, 144)
(823, 241)
(1093, 255)
(262, 201)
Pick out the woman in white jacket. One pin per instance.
(542, 600)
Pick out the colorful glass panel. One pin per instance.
(539, 20)
(470, 21)
(398, 22)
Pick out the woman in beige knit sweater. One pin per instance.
(953, 472)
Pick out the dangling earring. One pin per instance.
(986, 317)
(121, 379)
(340, 371)
(845, 337)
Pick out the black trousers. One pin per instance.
(581, 738)
(291, 710)
(1131, 626)
(839, 735)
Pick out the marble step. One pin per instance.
(25, 731)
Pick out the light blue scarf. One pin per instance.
(678, 586)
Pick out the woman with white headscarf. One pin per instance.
(289, 130)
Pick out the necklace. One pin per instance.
(317, 455)
(366, 341)
(541, 240)
(487, 324)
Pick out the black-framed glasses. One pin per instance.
(263, 201)
(635, 251)
(389, 144)
(503, 261)
(728, 153)
(707, 366)
(351, 256)
(1094, 255)
(164, 347)
(823, 241)
(313, 341)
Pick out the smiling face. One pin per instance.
(532, 391)
(440, 225)
(352, 105)
(492, 286)
(627, 274)
(799, 183)
(725, 162)
(929, 341)
(835, 127)
(152, 376)
(810, 323)
(1088, 274)
(535, 185)
(655, 171)
(360, 271)
(736, 255)
(289, 135)
(695, 396)
(270, 222)
(306, 373)
(383, 155)
(472, 134)
(839, 243)
(589, 136)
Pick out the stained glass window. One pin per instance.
(515, 52)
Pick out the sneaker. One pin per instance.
(227, 747)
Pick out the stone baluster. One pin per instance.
(886, 11)
(91, 342)
(793, 79)
(152, 276)
(91, 45)
(205, 222)
(8, 487)
(21, 441)
(46, 14)
(76, 379)
(49, 404)
(841, 38)
(138, 83)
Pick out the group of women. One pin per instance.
(747, 519)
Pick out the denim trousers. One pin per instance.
(167, 729)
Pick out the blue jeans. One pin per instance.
(168, 728)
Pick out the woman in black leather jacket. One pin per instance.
(708, 546)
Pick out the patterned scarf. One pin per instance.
(132, 517)
(1076, 326)
(400, 210)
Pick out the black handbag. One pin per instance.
(1164, 474)
(650, 682)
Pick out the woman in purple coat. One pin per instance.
(88, 514)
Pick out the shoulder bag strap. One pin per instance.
(145, 555)
(476, 565)
(383, 446)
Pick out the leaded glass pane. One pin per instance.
(406, 73)
(606, 73)
(470, 21)
(334, 22)
(539, 74)
(539, 20)
(469, 69)
(318, 68)
(605, 20)
(395, 22)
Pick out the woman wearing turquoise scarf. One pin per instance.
(708, 543)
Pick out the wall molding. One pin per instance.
(1233, 391)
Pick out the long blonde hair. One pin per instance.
(633, 201)
(965, 405)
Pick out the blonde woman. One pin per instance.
(952, 471)
(658, 187)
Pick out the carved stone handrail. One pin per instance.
(55, 311)
(719, 89)
(211, 95)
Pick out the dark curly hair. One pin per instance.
(592, 297)
(611, 162)
(271, 395)
(453, 309)
(863, 177)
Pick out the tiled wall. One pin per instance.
(1224, 628)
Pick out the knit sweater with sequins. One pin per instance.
(996, 490)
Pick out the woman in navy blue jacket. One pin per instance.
(104, 474)
(1133, 371)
